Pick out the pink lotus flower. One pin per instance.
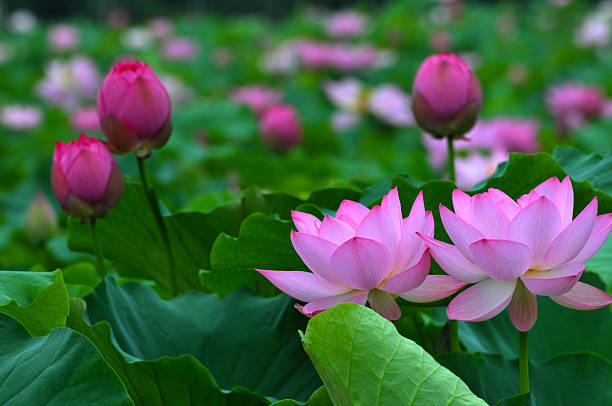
(280, 128)
(258, 98)
(514, 251)
(85, 120)
(363, 255)
(134, 109)
(573, 104)
(20, 117)
(180, 49)
(85, 177)
(63, 37)
(346, 24)
(446, 96)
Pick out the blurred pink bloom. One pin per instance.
(446, 96)
(515, 251)
(20, 117)
(363, 255)
(347, 94)
(440, 41)
(22, 21)
(118, 17)
(63, 37)
(85, 177)
(161, 27)
(85, 120)
(573, 104)
(180, 49)
(346, 24)
(258, 98)
(594, 32)
(178, 91)
(391, 105)
(67, 84)
(516, 135)
(342, 121)
(477, 167)
(317, 55)
(134, 109)
(280, 128)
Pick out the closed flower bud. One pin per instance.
(85, 177)
(280, 128)
(134, 109)
(41, 219)
(446, 96)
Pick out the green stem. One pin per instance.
(453, 336)
(451, 159)
(160, 223)
(523, 362)
(98, 251)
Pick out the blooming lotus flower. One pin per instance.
(363, 255)
(280, 128)
(446, 96)
(85, 177)
(515, 251)
(134, 109)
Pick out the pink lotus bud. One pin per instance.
(446, 96)
(134, 109)
(41, 219)
(280, 128)
(85, 177)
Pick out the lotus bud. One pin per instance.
(446, 96)
(134, 109)
(85, 177)
(280, 128)
(41, 219)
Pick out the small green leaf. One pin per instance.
(363, 360)
(37, 300)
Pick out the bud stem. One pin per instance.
(98, 250)
(523, 362)
(160, 223)
(453, 336)
(451, 159)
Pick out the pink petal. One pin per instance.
(88, 175)
(361, 263)
(481, 301)
(434, 288)
(536, 225)
(410, 278)
(384, 304)
(573, 238)
(428, 228)
(462, 203)
(583, 297)
(304, 286)
(351, 213)
(335, 231)
(391, 204)
(460, 232)
(554, 282)
(305, 223)
(453, 262)
(411, 246)
(523, 308)
(316, 253)
(504, 202)
(379, 226)
(488, 218)
(599, 235)
(564, 199)
(501, 260)
(317, 306)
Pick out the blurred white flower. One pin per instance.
(20, 117)
(137, 38)
(22, 21)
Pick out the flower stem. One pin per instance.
(451, 159)
(160, 223)
(523, 362)
(98, 251)
(453, 336)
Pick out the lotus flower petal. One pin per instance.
(304, 286)
(361, 263)
(583, 297)
(481, 301)
(433, 288)
(501, 260)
